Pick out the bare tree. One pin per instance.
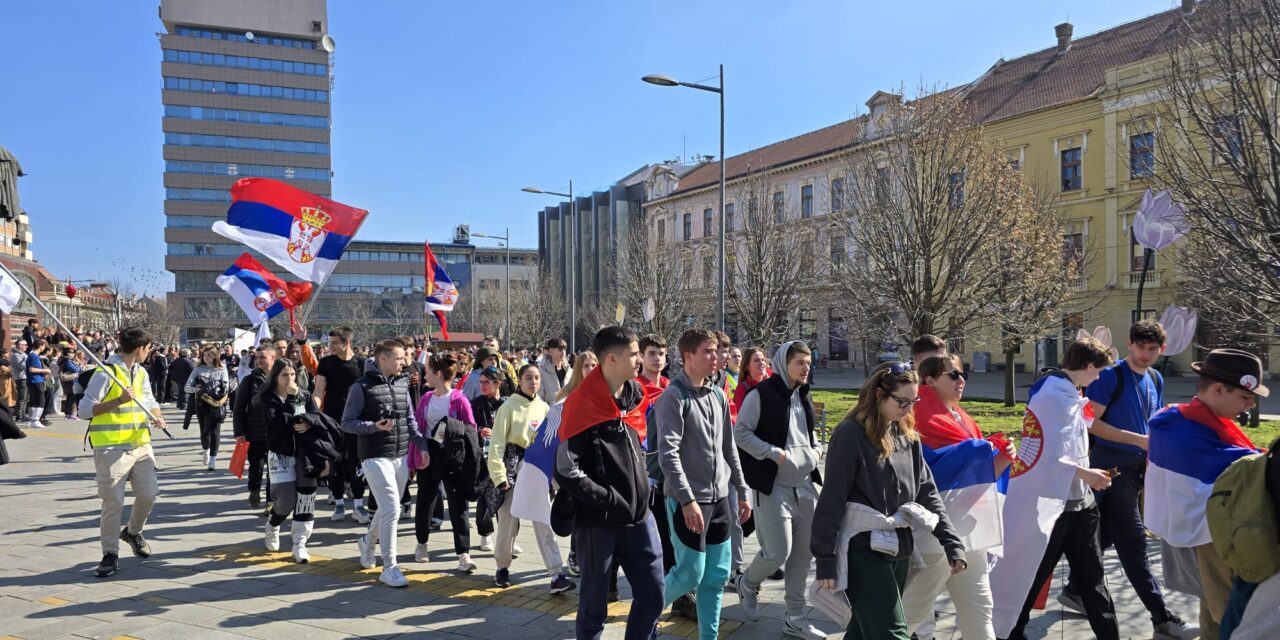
(772, 260)
(1038, 271)
(157, 317)
(1218, 152)
(647, 270)
(537, 313)
(924, 203)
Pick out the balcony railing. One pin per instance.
(1132, 278)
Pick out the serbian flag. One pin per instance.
(592, 403)
(1054, 443)
(440, 290)
(298, 230)
(531, 499)
(963, 468)
(260, 293)
(1189, 448)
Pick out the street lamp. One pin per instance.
(506, 240)
(667, 81)
(573, 263)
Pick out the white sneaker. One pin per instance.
(516, 550)
(35, 424)
(420, 553)
(212, 464)
(272, 537)
(204, 457)
(486, 543)
(367, 559)
(800, 627)
(300, 532)
(465, 565)
(339, 513)
(300, 554)
(393, 577)
(360, 514)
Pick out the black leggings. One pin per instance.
(428, 480)
(35, 394)
(210, 429)
(69, 398)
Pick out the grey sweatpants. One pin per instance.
(784, 522)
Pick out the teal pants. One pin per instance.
(703, 572)
(875, 593)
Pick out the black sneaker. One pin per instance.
(502, 578)
(255, 500)
(685, 607)
(562, 584)
(110, 562)
(574, 569)
(614, 596)
(139, 546)
(777, 575)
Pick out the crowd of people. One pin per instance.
(663, 465)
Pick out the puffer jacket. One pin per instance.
(365, 400)
(246, 423)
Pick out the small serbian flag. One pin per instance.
(260, 293)
(440, 291)
(298, 230)
(1189, 448)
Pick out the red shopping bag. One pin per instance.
(238, 458)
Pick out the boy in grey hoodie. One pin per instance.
(699, 460)
(780, 461)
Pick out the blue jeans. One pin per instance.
(1241, 594)
(637, 549)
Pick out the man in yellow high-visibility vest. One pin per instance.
(121, 441)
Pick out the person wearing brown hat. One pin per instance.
(1190, 446)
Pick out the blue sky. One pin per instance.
(442, 111)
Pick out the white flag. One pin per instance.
(264, 332)
(10, 293)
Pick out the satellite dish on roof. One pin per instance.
(248, 35)
(327, 43)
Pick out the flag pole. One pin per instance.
(87, 352)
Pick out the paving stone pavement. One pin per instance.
(209, 576)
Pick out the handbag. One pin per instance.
(238, 458)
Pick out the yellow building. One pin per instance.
(1077, 119)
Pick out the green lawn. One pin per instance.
(994, 417)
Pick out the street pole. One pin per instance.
(573, 268)
(507, 238)
(720, 318)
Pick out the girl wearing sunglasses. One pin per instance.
(953, 445)
(875, 469)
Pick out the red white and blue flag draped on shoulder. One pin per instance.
(261, 294)
(298, 230)
(441, 294)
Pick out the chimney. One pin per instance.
(1063, 31)
(1188, 7)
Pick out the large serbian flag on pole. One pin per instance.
(261, 294)
(1054, 443)
(1189, 448)
(440, 292)
(300, 231)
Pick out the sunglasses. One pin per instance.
(956, 374)
(904, 403)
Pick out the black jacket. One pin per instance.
(484, 408)
(8, 431)
(774, 423)
(277, 414)
(245, 423)
(603, 470)
(181, 369)
(458, 456)
(320, 446)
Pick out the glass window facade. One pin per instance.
(248, 144)
(1142, 155)
(244, 62)
(245, 89)
(373, 283)
(239, 36)
(198, 195)
(247, 117)
(251, 170)
(204, 249)
(1070, 168)
(806, 201)
(192, 222)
